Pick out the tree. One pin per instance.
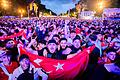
(115, 3)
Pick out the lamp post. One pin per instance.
(101, 4)
(21, 11)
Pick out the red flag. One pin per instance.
(61, 69)
(12, 36)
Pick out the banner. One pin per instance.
(12, 36)
(61, 69)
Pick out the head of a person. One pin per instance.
(116, 45)
(111, 54)
(108, 38)
(52, 46)
(35, 44)
(92, 38)
(77, 42)
(111, 31)
(98, 34)
(41, 44)
(24, 61)
(46, 37)
(5, 57)
(10, 44)
(63, 43)
(72, 34)
(56, 37)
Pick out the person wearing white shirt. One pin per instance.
(27, 71)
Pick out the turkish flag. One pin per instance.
(61, 69)
(12, 36)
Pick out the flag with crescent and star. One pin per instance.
(60, 69)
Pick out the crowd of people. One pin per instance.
(61, 39)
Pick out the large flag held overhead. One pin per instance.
(61, 69)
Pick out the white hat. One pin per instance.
(2, 53)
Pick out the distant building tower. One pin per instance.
(33, 8)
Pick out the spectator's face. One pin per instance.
(5, 59)
(25, 63)
(73, 35)
(41, 28)
(52, 47)
(116, 45)
(109, 39)
(111, 31)
(63, 44)
(72, 27)
(111, 55)
(49, 33)
(10, 44)
(35, 44)
(40, 46)
(76, 43)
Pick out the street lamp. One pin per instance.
(5, 6)
(21, 11)
(101, 5)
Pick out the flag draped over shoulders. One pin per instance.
(61, 69)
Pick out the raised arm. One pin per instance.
(42, 74)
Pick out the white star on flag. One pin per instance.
(58, 66)
(38, 61)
